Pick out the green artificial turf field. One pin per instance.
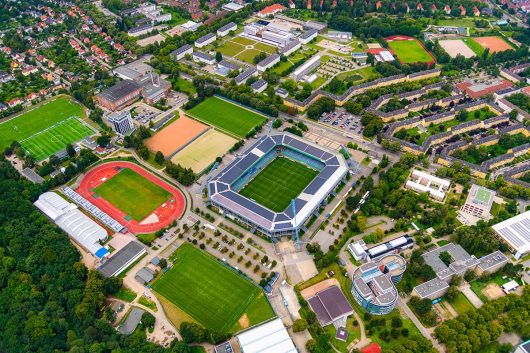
(46, 129)
(133, 194)
(226, 116)
(278, 183)
(211, 293)
(483, 195)
(409, 51)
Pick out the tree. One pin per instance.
(103, 140)
(218, 56)
(162, 263)
(259, 57)
(148, 320)
(299, 325)
(70, 150)
(159, 158)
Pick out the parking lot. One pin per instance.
(344, 121)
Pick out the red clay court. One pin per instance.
(161, 217)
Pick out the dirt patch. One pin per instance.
(493, 291)
(494, 44)
(244, 321)
(319, 287)
(173, 313)
(176, 136)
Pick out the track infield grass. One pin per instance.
(133, 194)
(409, 51)
(278, 183)
(46, 129)
(211, 293)
(226, 116)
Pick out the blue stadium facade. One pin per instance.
(223, 188)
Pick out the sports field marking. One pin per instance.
(57, 118)
(226, 116)
(133, 194)
(209, 292)
(278, 183)
(409, 51)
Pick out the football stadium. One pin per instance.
(259, 186)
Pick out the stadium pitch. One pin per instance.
(226, 116)
(278, 183)
(211, 293)
(46, 129)
(133, 194)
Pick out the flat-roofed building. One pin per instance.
(270, 337)
(205, 40)
(232, 6)
(121, 122)
(121, 259)
(306, 68)
(226, 29)
(290, 47)
(478, 205)
(523, 347)
(339, 35)
(424, 182)
(181, 52)
(268, 62)
(277, 37)
(373, 284)
(515, 232)
(491, 263)
(308, 36)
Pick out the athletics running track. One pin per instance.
(168, 212)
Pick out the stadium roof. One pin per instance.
(220, 189)
(121, 259)
(78, 225)
(516, 232)
(330, 305)
(271, 337)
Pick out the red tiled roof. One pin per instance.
(272, 9)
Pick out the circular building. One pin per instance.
(373, 283)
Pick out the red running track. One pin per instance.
(168, 212)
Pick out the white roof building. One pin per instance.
(78, 225)
(424, 182)
(516, 233)
(271, 337)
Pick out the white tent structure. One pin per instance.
(78, 225)
(271, 337)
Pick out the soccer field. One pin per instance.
(133, 194)
(226, 116)
(280, 182)
(409, 51)
(46, 129)
(211, 293)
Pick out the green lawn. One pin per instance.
(280, 182)
(409, 51)
(133, 194)
(230, 48)
(477, 48)
(354, 333)
(46, 129)
(182, 85)
(264, 47)
(211, 293)
(243, 41)
(248, 55)
(226, 116)
(461, 304)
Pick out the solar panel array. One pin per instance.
(93, 210)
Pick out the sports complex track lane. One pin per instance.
(166, 215)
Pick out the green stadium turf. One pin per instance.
(409, 51)
(211, 293)
(133, 194)
(46, 129)
(226, 116)
(278, 183)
